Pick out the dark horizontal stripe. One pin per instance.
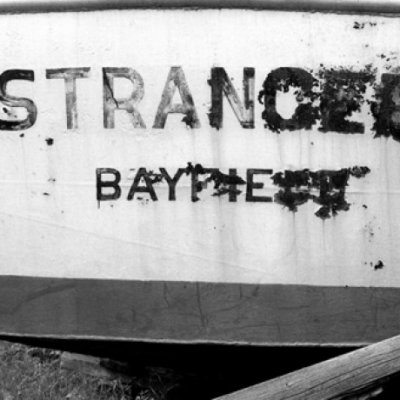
(343, 6)
(197, 312)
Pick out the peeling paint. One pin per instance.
(176, 80)
(12, 101)
(222, 85)
(343, 93)
(69, 75)
(324, 187)
(223, 183)
(129, 104)
(331, 97)
(307, 111)
(362, 25)
(386, 107)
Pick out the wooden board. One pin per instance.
(355, 375)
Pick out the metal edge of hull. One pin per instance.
(338, 6)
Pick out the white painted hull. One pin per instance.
(53, 226)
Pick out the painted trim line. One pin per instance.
(197, 312)
(336, 6)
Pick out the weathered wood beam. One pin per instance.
(338, 378)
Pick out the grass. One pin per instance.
(29, 373)
(36, 374)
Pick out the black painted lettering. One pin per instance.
(147, 188)
(222, 85)
(197, 184)
(386, 110)
(305, 114)
(12, 101)
(172, 181)
(342, 95)
(176, 80)
(233, 190)
(70, 75)
(298, 187)
(256, 185)
(113, 184)
(110, 103)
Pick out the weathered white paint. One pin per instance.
(66, 234)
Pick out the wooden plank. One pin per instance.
(337, 378)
